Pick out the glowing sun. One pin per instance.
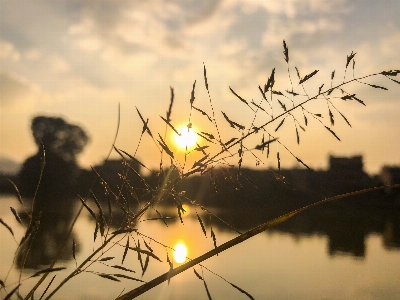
(186, 139)
(180, 253)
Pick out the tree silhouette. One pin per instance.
(58, 143)
(58, 137)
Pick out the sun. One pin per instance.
(187, 138)
(180, 253)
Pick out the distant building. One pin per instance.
(352, 164)
(346, 174)
(390, 175)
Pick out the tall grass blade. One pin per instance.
(74, 249)
(241, 290)
(333, 133)
(47, 287)
(16, 190)
(16, 215)
(128, 277)
(171, 266)
(179, 208)
(277, 93)
(192, 96)
(148, 246)
(146, 264)
(205, 76)
(107, 258)
(282, 105)
(9, 295)
(48, 270)
(231, 123)
(162, 217)
(210, 136)
(285, 51)
(6, 226)
(142, 251)
(303, 163)
(96, 230)
(390, 72)
(297, 72)
(377, 86)
(240, 98)
(88, 208)
(320, 88)
(170, 125)
(108, 276)
(214, 238)
(169, 112)
(139, 255)
(350, 57)
(208, 292)
(348, 123)
(201, 224)
(204, 137)
(331, 117)
(279, 160)
(264, 144)
(201, 148)
(270, 82)
(230, 141)
(123, 268)
(280, 124)
(307, 77)
(165, 147)
(197, 274)
(203, 113)
(145, 127)
(292, 93)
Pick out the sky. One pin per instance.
(89, 61)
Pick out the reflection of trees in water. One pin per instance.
(58, 144)
(346, 225)
(42, 246)
(347, 222)
(391, 231)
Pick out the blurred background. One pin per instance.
(71, 71)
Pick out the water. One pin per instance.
(286, 263)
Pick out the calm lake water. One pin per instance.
(279, 264)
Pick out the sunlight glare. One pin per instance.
(188, 138)
(180, 253)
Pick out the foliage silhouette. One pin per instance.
(58, 144)
(58, 137)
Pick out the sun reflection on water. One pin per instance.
(180, 253)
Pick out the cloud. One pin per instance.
(8, 51)
(14, 90)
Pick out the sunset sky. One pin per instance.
(81, 59)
